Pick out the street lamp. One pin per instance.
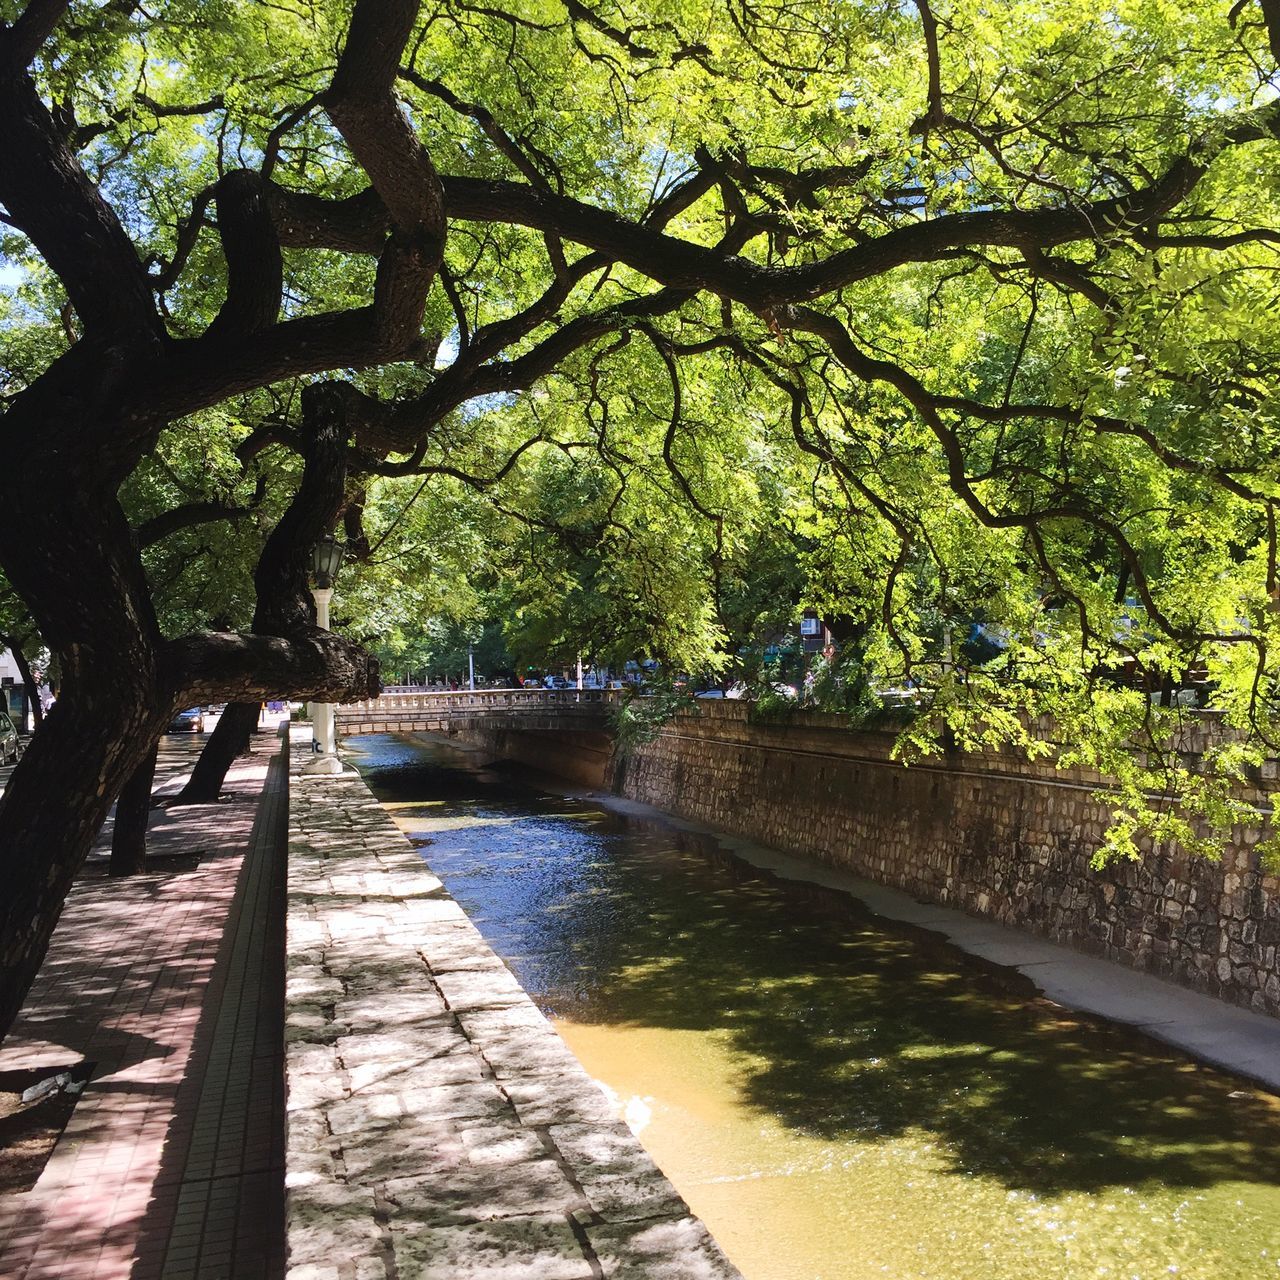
(326, 560)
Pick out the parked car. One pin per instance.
(10, 743)
(189, 721)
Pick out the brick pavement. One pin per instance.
(171, 985)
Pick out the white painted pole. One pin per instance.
(471, 668)
(322, 728)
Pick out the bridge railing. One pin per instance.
(480, 700)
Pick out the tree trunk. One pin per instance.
(53, 807)
(77, 569)
(129, 836)
(229, 739)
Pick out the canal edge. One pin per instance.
(1209, 1031)
(436, 1122)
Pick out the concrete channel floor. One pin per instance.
(171, 985)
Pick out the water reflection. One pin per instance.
(838, 1095)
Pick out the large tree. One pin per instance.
(1001, 275)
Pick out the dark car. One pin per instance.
(190, 721)
(10, 744)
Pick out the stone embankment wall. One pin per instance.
(991, 834)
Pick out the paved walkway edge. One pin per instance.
(437, 1126)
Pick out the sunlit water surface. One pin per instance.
(836, 1095)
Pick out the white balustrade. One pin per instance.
(447, 701)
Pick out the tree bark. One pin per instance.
(55, 805)
(133, 809)
(83, 425)
(79, 572)
(229, 739)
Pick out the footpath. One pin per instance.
(169, 985)
(305, 1062)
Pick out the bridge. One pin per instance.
(477, 708)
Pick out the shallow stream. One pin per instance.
(836, 1095)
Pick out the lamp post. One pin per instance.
(326, 560)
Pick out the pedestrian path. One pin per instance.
(169, 984)
(438, 1128)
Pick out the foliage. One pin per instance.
(921, 316)
(641, 715)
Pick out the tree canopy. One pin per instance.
(943, 312)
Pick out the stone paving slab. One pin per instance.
(438, 1127)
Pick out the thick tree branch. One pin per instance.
(357, 221)
(22, 41)
(255, 268)
(188, 516)
(329, 411)
(401, 426)
(681, 264)
(935, 112)
(215, 666)
(361, 103)
(355, 224)
(50, 198)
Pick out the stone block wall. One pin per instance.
(580, 755)
(991, 834)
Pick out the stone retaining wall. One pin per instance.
(438, 1128)
(580, 755)
(991, 834)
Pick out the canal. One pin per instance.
(836, 1095)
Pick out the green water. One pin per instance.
(838, 1096)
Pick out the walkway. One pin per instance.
(170, 985)
(438, 1127)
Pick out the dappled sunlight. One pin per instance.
(128, 993)
(840, 1095)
